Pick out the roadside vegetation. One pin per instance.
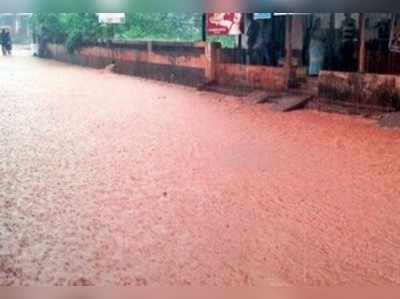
(77, 29)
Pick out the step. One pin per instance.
(292, 102)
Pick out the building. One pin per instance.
(358, 57)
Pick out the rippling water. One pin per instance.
(107, 179)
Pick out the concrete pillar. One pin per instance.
(14, 24)
(204, 27)
(17, 24)
(212, 55)
(361, 53)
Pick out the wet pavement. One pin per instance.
(113, 180)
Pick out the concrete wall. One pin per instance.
(233, 70)
(176, 63)
(253, 76)
(361, 89)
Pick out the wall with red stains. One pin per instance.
(253, 76)
(175, 63)
(180, 63)
(362, 89)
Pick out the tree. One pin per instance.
(77, 29)
(73, 29)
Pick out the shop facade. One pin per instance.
(350, 58)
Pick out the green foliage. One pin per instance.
(73, 29)
(225, 41)
(74, 41)
(76, 29)
(50, 26)
(163, 27)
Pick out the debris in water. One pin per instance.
(110, 68)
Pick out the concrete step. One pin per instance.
(262, 97)
(309, 86)
(292, 102)
(282, 101)
(238, 91)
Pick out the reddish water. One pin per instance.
(108, 179)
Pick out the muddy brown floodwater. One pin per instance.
(113, 180)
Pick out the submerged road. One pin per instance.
(113, 180)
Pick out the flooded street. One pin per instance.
(114, 180)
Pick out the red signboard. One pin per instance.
(225, 23)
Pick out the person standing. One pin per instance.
(5, 40)
(253, 37)
(383, 30)
(349, 33)
(317, 48)
(8, 43)
(267, 43)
